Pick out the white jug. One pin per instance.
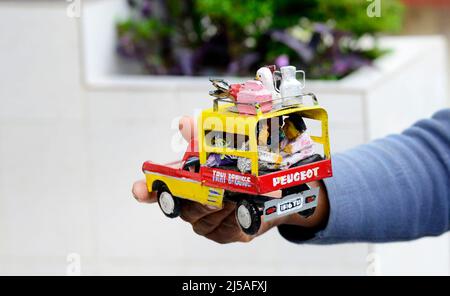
(290, 88)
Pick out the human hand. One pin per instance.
(221, 226)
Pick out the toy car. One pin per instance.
(192, 179)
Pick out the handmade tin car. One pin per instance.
(193, 179)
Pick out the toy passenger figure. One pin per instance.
(294, 146)
(297, 144)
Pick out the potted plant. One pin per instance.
(352, 71)
(223, 37)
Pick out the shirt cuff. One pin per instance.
(340, 207)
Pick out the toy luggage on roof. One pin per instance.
(253, 91)
(263, 91)
(253, 146)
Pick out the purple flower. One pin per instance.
(299, 47)
(146, 9)
(184, 57)
(126, 46)
(282, 60)
(322, 28)
(344, 64)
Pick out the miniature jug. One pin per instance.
(290, 88)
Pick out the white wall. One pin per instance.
(71, 144)
(45, 211)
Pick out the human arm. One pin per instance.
(393, 189)
(396, 188)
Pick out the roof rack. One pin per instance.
(277, 103)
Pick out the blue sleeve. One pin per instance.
(393, 189)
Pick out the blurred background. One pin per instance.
(89, 89)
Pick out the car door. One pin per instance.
(197, 191)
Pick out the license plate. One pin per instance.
(290, 205)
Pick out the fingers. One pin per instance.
(216, 224)
(219, 225)
(228, 232)
(210, 222)
(265, 226)
(141, 194)
(192, 212)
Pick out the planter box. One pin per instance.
(410, 81)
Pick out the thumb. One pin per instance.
(141, 194)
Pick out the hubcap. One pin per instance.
(167, 203)
(244, 217)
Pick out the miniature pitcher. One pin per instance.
(290, 88)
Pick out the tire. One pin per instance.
(248, 216)
(169, 204)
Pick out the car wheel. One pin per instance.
(169, 204)
(248, 217)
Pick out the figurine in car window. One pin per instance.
(296, 144)
(217, 160)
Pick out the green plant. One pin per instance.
(348, 16)
(205, 37)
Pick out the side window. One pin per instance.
(223, 139)
(192, 164)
